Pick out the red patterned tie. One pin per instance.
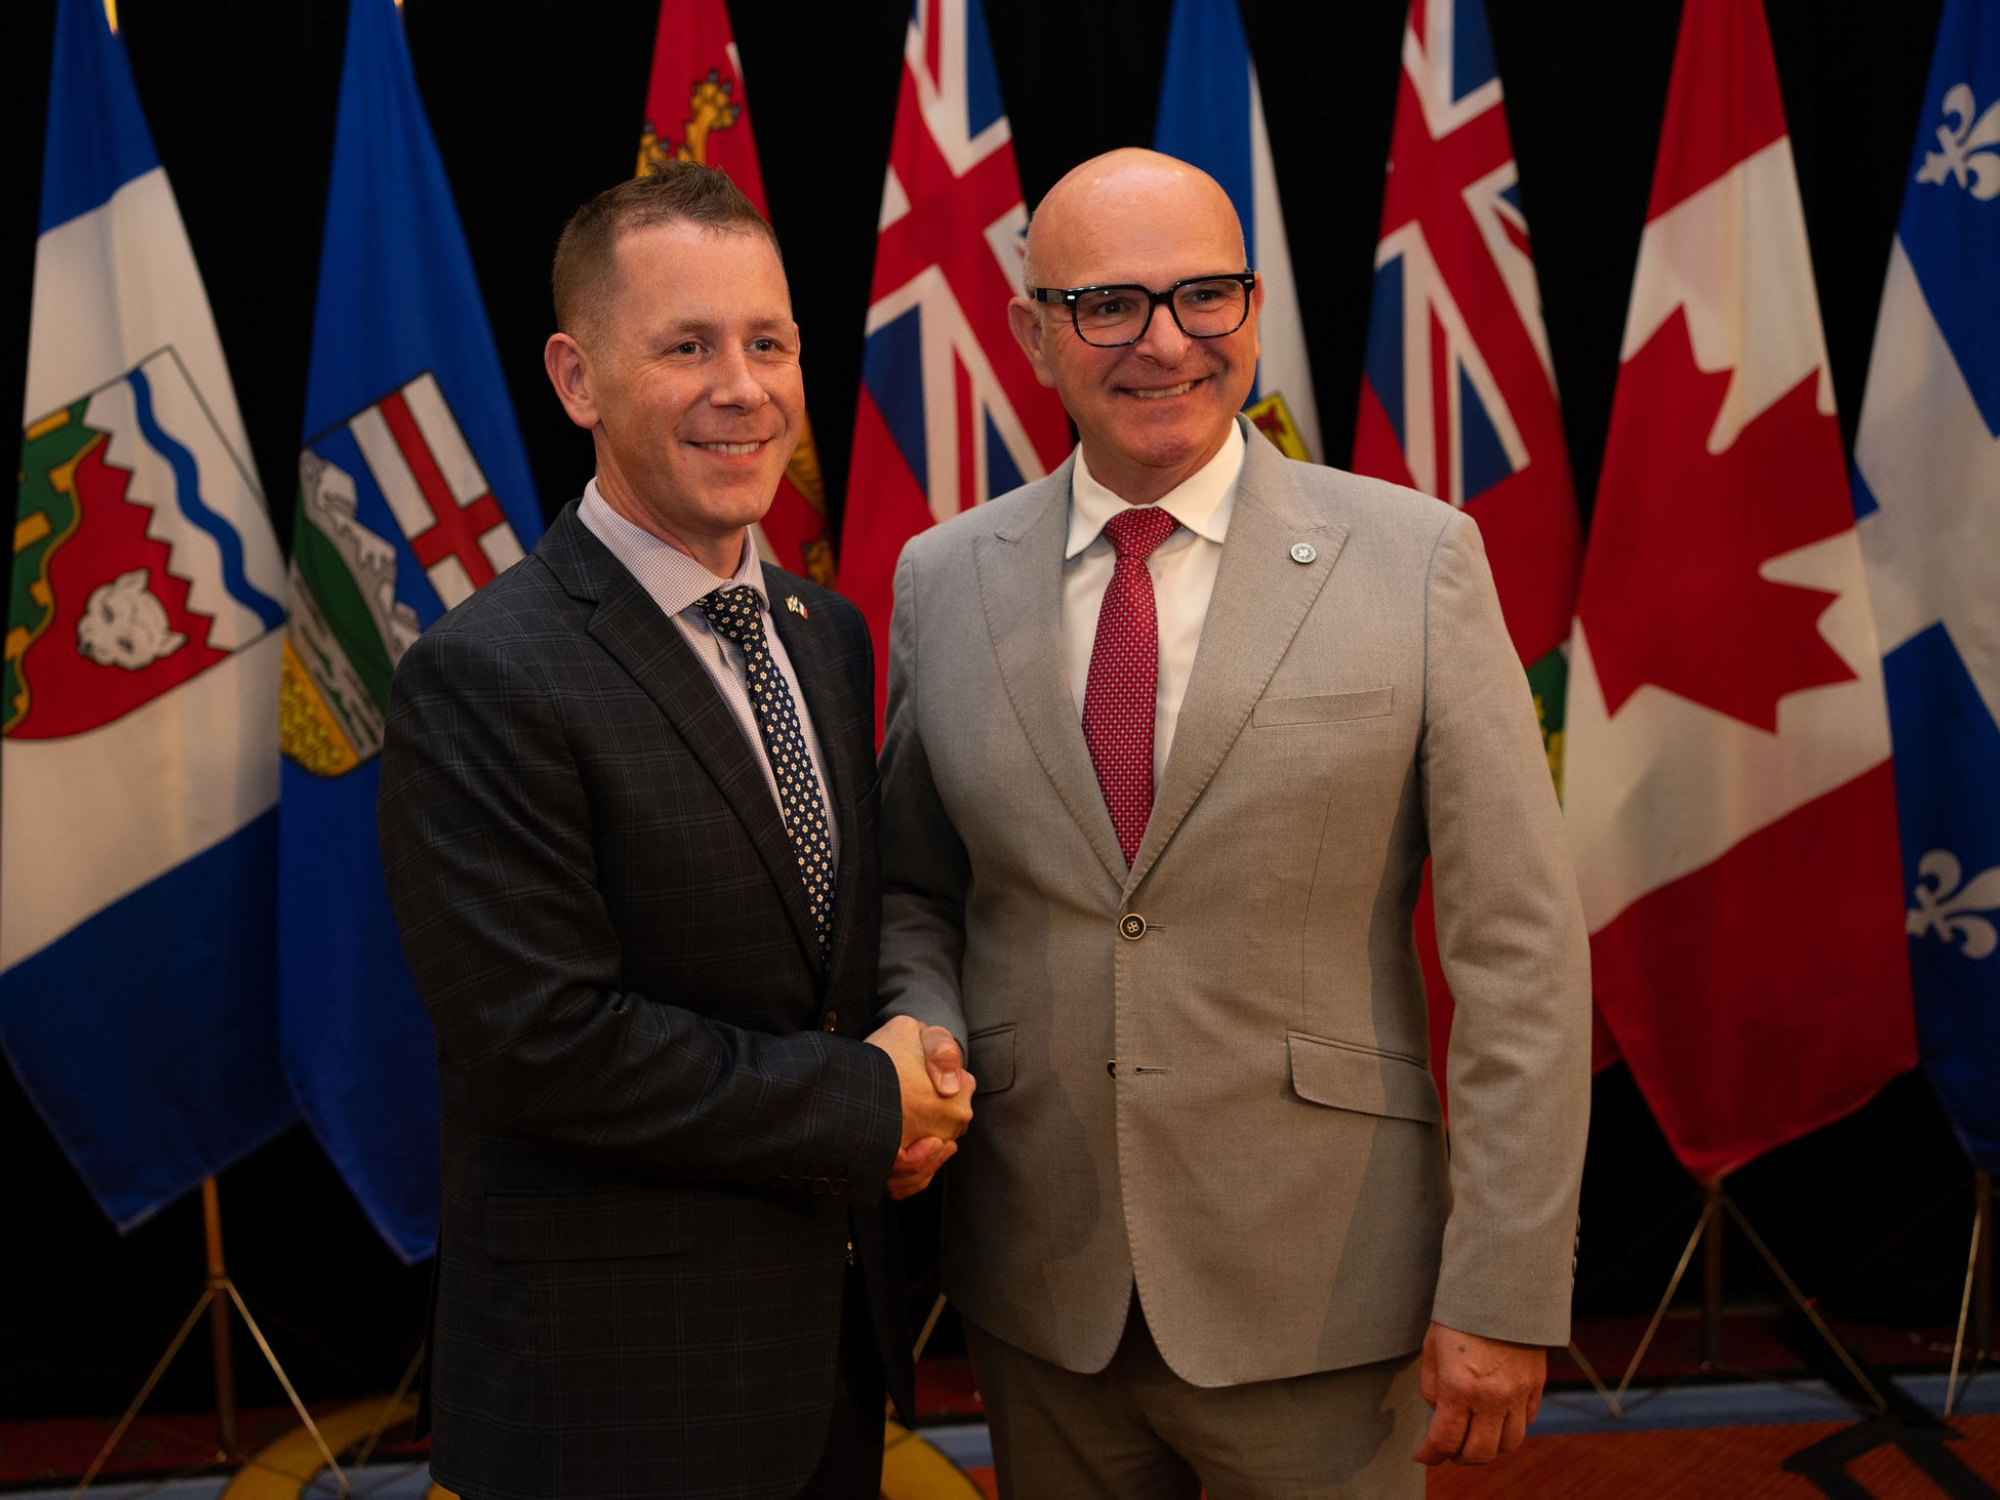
(1122, 692)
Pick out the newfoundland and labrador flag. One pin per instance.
(950, 412)
(1458, 394)
(1927, 492)
(1212, 114)
(1727, 781)
(697, 110)
(144, 625)
(413, 491)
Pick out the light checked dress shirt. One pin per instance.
(677, 583)
(1183, 569)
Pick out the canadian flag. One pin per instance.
(1728, 786)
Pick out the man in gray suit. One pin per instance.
(1170, 735)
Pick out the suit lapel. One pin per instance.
(1020, 584)
(1261, 597)
(650, 647)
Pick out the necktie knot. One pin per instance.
(1136, 530)
(735, 613)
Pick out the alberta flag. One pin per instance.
(413, 492)
(697, 109)
(1458, 393)
(1927, 494)
(1212, 114)
(138, 838)
(1726, 778)
(950, 413)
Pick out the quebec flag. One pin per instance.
(413, 492)
(1927, 503)
(139, 767)
(1212, 114)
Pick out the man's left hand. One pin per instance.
(1482, 1392)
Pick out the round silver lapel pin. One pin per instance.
(1302, 552)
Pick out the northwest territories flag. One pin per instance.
(144, 625)
(413, 491)
(1212, 114)
(1927, 495)
(950, 412)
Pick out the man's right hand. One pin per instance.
(936, 1088)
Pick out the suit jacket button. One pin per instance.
(822, 1186)
(781, 1181)
(840, 1187)
(831, 1021)
(1132, 926)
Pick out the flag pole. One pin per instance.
(1711, 1275)
(218, 1318)
(218, 1296)
(1977, 1298)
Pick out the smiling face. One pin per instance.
(689, 385)
(1150, 413)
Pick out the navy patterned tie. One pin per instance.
(737, 613)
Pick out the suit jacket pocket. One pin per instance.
(992, 1060)
(586, 1226)
(1343, 1076)
(1326, 708)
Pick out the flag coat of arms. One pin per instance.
(1458, 394)
(1212, 114)
(413, 492)
(1727, 779)
(697, 110)
(950, 412)
(145, 622)
(1927, 494)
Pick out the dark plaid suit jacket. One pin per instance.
(660, 1129)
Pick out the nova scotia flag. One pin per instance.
(144, 627)
(1927, 495)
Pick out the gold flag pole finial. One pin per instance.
(111, 15)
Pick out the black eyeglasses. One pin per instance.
(1204, 307)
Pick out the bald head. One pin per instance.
(1152, 411)
(1122, 202)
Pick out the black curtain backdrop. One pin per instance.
(537, 106)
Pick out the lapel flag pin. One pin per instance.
(792, 603)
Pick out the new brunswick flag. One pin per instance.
(697, 110)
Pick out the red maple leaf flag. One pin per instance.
(1727, 778)
(697, 110)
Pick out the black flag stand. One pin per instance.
(218, 1295)
(1977, 1298)
(1717, 1207)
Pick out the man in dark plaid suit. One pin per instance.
(628, 821)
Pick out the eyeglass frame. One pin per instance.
(1053, 295)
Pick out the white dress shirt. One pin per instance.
(677, 584)
(1183, 569)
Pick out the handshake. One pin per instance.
(937, 1099)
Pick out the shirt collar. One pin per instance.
(1202, 502)
(675, 581)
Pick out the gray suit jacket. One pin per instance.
(1235, 1109)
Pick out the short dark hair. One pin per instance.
(675, 192)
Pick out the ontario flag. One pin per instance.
(697, 110)
(413, 492)
(950, 412)
(1212, 114)
(1458, 393)
(146, 617)
(1728, 785)
(1927, 491)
